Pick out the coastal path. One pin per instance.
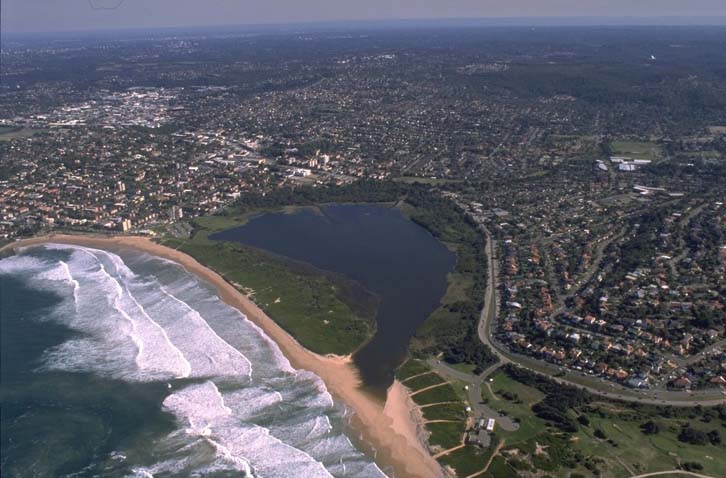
(428, 388)
(446, 452)
(491, 459)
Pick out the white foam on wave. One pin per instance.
(119, 338)
(281, 362)
(305, 432)
(250, 448)
(73, 282)
(40, 270)
(321, 399)
(164, 349)
(140, 473)
(256, 401)
(199, 405)
(156, 353)
(20, 264)
(208, 353)
(139, 327)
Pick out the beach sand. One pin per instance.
(390, 428)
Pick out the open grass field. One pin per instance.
(304, 301)
(463, 367)
(625, 450)
(499, 469)
(458, 288)
(17, 132)
(637, 149)
(466, 461)
(446, 411)
(410, 368)
(445, 435)
(422, 381)
(514, 400)
(509, 395)
(207, 225)
(444, 393)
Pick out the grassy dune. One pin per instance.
(324, 312)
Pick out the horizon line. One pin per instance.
(497, 21)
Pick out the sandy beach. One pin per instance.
(389, 428)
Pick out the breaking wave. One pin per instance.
(239, 406)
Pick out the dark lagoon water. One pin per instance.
(126, 365)
(393, 257)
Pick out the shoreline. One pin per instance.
(388, 428)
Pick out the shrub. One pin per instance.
(650, 428)
(693, 436)
(692, 466)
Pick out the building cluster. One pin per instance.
(110, 180)
(480, 433)
(605, 280)
(146, 107)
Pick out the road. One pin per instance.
(672, 472)
(474, 396)
(593, 385)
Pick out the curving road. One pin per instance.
(569, 377)
(672, 472)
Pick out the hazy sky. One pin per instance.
(62, 15)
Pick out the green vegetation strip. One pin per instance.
(595, 437)
(466, 461)
(446, 404)
(446, 411)
(445, 435)
(8, 133)
(305, 304)
(411, 368)
(423, 381)
(445, 393)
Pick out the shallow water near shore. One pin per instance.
(123, 364)
(393, 257)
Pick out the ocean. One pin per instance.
(126, 365)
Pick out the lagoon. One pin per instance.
(378, 246)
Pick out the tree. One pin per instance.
(692, 466)
(693, 436)
(650, 427)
